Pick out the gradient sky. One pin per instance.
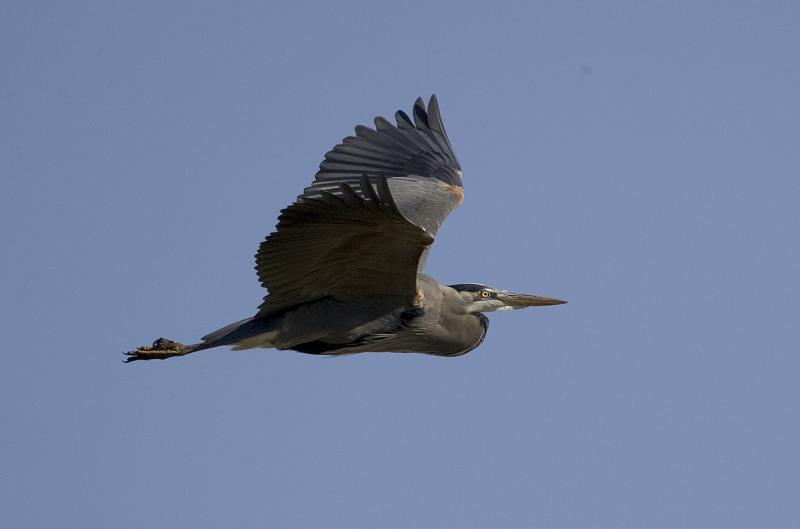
(639, 159)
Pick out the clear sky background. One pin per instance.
(639, 159)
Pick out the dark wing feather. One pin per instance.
(415, 156)
(349, 245)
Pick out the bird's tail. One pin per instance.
(226, 335)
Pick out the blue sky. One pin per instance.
(639, 159)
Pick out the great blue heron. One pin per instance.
(344, 267)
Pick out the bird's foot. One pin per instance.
(160, 350)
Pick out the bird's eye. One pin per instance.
(485, 293)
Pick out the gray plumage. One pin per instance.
(344, 266)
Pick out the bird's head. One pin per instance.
(481, 298)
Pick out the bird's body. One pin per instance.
(382, 324)
(344, 268)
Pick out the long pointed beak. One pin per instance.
(520, 301)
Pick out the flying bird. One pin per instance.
(344, 268)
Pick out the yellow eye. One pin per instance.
(485, 293)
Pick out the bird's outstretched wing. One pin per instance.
(415, 156)
(345, 245)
